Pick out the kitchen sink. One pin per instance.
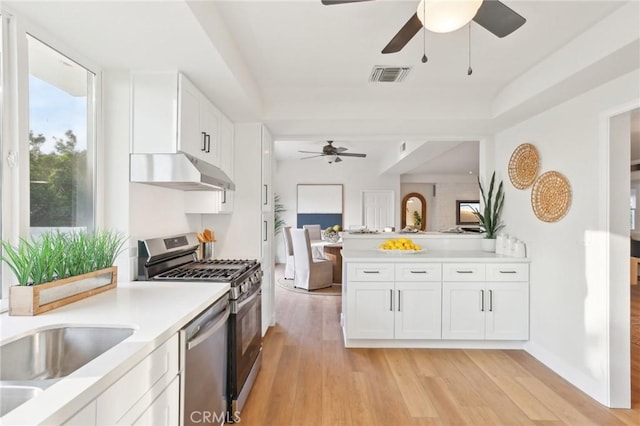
(56, 352)
(37, 360)
(13, 396)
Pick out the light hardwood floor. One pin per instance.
(309, 378)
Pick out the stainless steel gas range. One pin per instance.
(175, 258)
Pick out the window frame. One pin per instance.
(15, 130)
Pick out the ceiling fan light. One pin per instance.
(444, 16)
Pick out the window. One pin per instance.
(48, 149)
(60, 140)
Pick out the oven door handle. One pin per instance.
(209, 328)
(245, 302)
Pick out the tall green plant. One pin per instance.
(490, 222)
(278, 210)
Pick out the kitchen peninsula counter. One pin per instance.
(155, 310)
(440, 256)
(435, 298)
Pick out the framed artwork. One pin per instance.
(465, 212)
(319, 204)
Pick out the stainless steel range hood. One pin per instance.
(178, 171)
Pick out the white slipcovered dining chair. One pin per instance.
(315, 232)
(310, 273)
(288, 251)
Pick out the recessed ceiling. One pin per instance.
(302, 68)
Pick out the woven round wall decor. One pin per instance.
(551, 196)
(524, 165)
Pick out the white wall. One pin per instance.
(239, 235)
(569, 295)
(354, 174)
(140, 211)
(445, 202)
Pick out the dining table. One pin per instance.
(322, 249)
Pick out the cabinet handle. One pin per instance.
(266, 194)
(204, 141)
(481, 300)
(265, 230)
(464, 272)
(507, 272)
(207, 138)
(398, 300)
(418, 272)
(490, 300)
(391, 300)
(370, 272)
(224, 197)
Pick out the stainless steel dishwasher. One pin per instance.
(204, 369)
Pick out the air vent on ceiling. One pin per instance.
(385, 74)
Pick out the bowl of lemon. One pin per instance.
(400, 246)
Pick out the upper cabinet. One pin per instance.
(170, 114)
(267, 167)
(198, 123)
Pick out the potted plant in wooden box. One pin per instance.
(490, 222)
(60, 268)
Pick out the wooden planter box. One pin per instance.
(34, 300)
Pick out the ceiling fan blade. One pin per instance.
(313, 156)
(405, 34)
(340, 149)
(332, 2)
(498, 18)
(311, 152)
(352, 154)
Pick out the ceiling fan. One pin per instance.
(493, 15)
(332, 151)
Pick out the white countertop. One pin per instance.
(156, 310)
(412, 235)
(445, 256)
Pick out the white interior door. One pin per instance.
(377, 209)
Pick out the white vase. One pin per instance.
(489, 244)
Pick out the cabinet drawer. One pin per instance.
(463, 272)
(123, 395)
(508, 272)
(370, 272)
(418, 272)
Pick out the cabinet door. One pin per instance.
(191, 138)
(267, 159)
(165, 409)
(463, 310)
(507, 311)
(370, 310)
(226, 163)
(209, 124)
(418, 309)
(84, 417)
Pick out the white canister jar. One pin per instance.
(501, 240)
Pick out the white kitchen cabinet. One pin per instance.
(198, 132)
(380, 308)
(267, 167)
(268, 230)
(370, 310)
(488, 307)
(165, 409)
(138, 390)
(216, 202)
(84, 417)
(170, 114)
(225, 198)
